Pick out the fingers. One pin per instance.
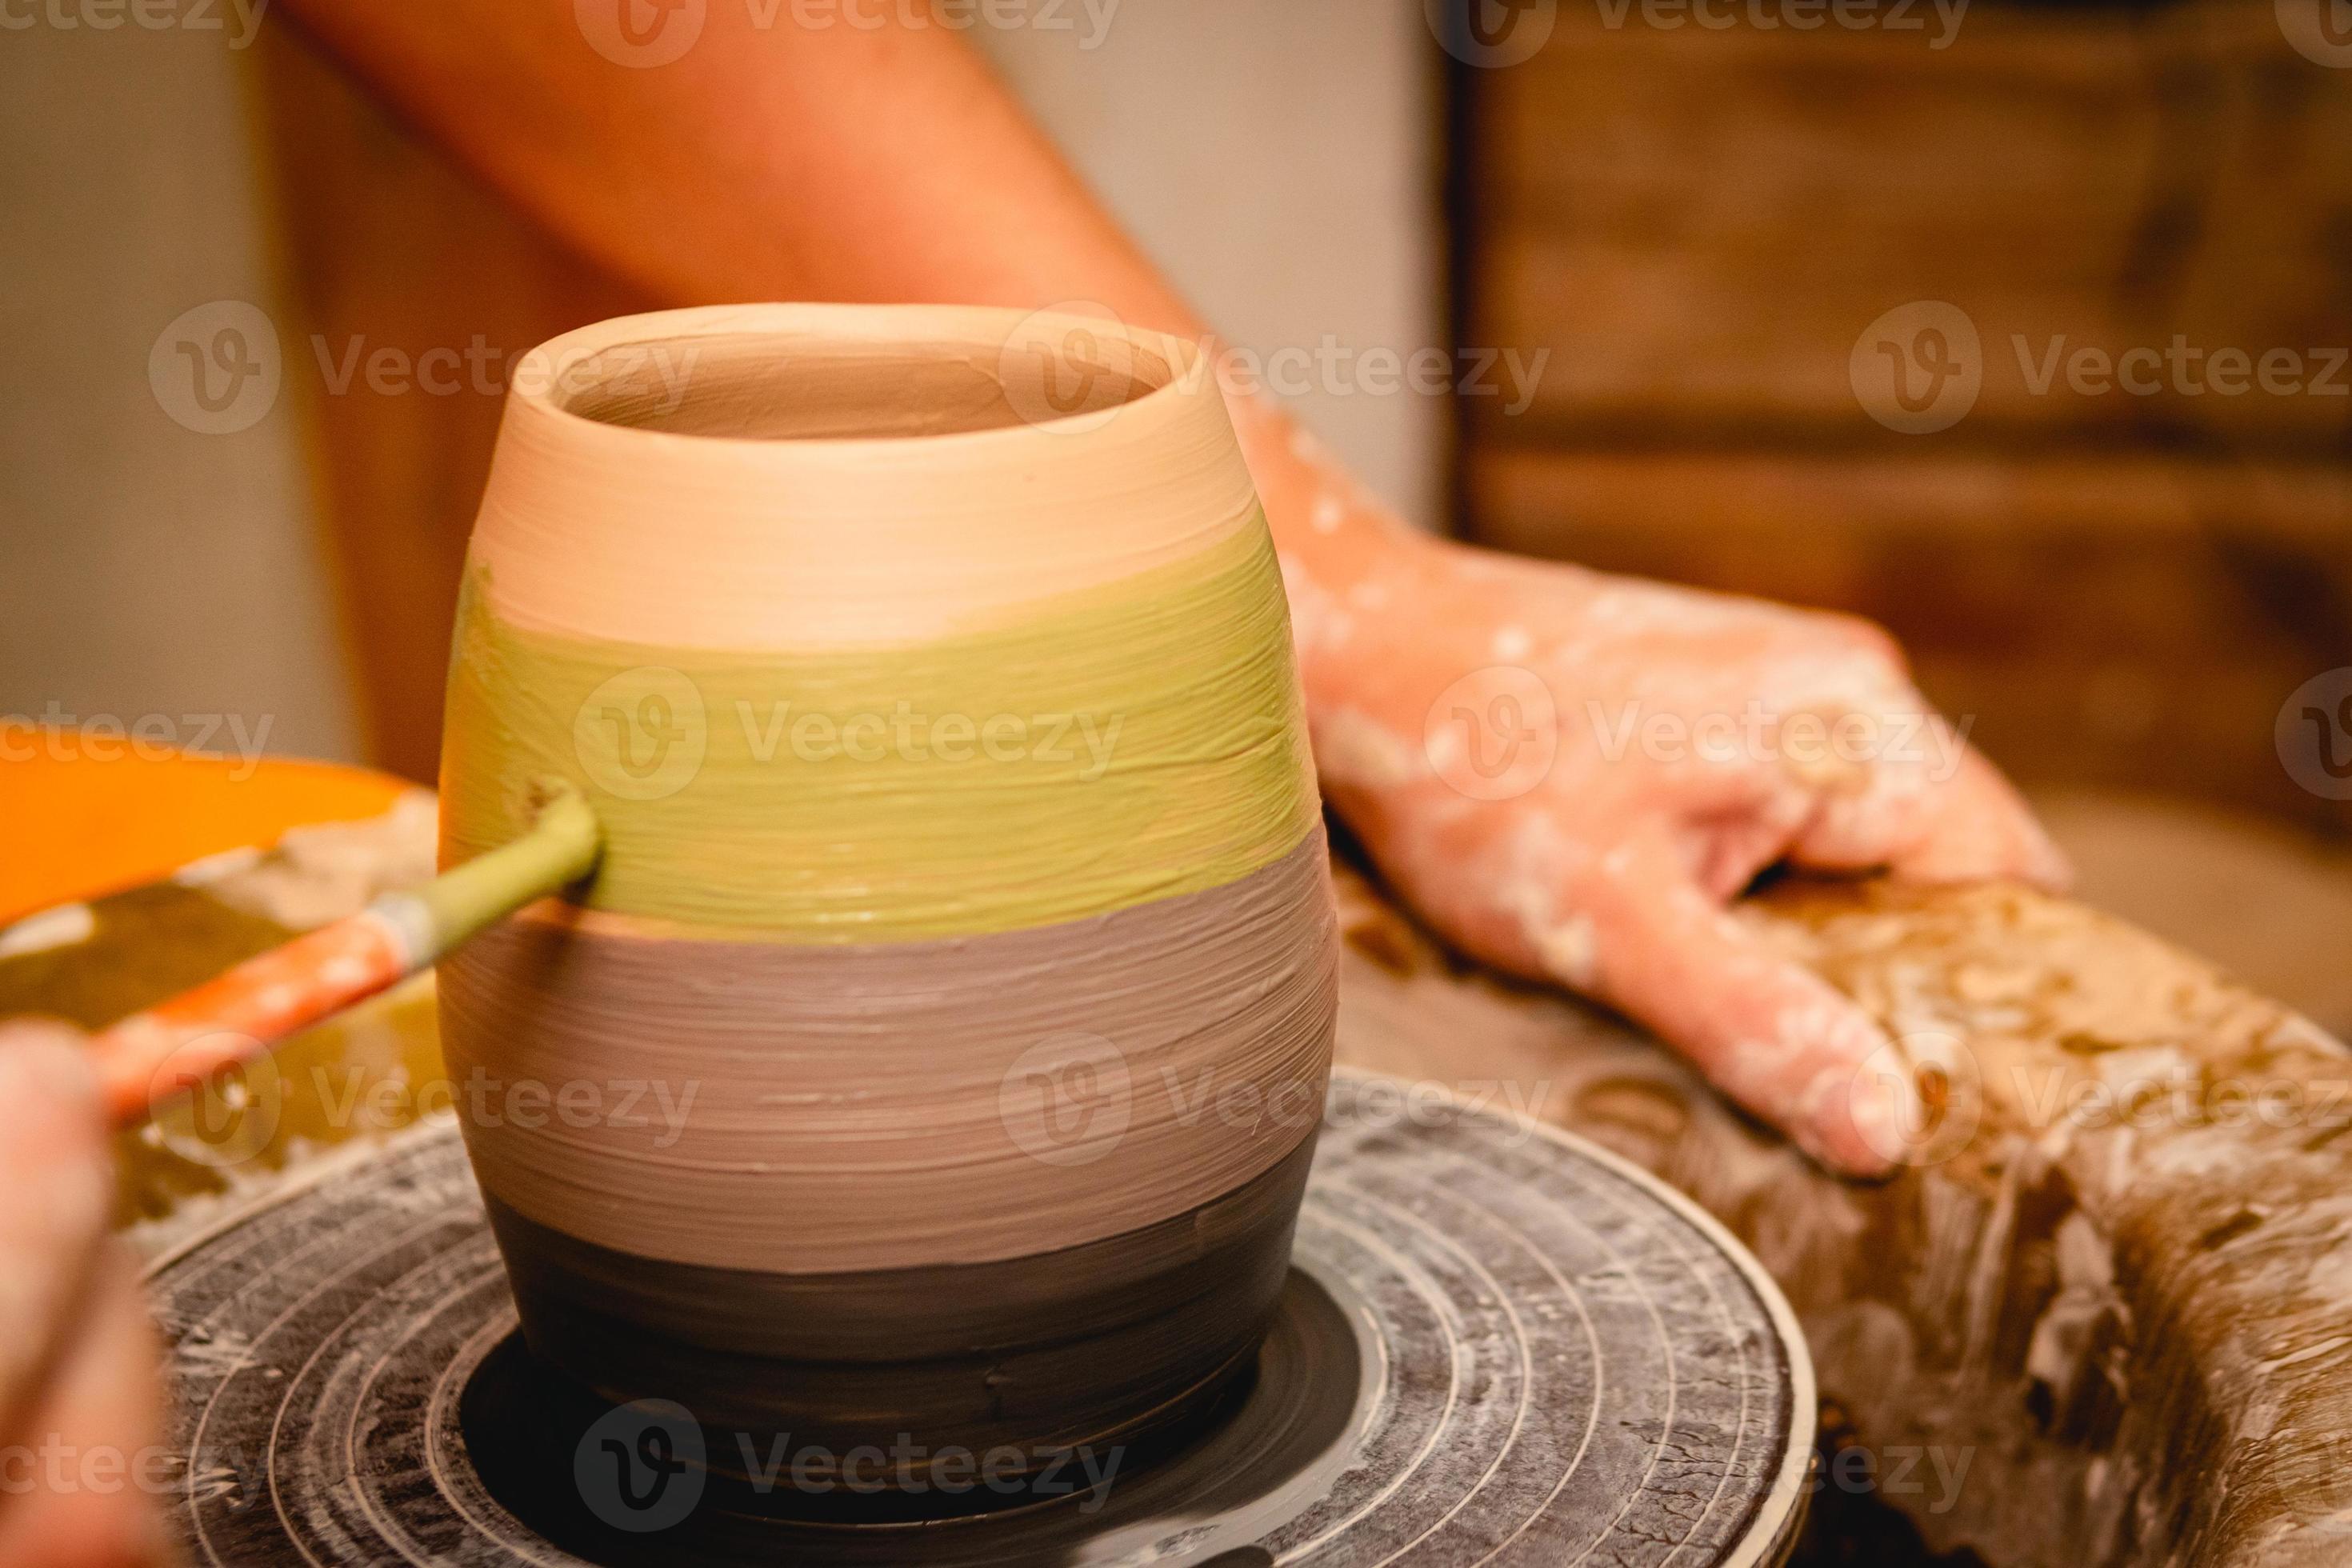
(97, 1469)
(1978, 828)
(58, 1182)
(78, 1392)
(1939, 813)
(1766, 1031)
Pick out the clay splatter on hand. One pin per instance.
(1570, 775)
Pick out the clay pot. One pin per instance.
(936, 1055)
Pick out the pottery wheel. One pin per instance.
(1497, 1345)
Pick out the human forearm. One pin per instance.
(782, 161)
(840, 163)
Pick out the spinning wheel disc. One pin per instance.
(1497, 1345)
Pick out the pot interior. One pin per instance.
(772, 386)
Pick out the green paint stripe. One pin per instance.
(1128, 745)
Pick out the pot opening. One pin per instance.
(766, 387)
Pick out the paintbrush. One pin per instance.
(178, 1044)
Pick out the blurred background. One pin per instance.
(2019, 326)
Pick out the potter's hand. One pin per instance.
(1570, 775)
(78, 1412)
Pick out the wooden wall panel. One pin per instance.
(1699, 226)
(2122, 621)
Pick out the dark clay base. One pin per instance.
(1100, 1344)
(1283, 1429)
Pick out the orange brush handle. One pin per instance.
(178, 1044)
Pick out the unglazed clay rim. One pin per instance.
(916, 325)
(615, 531)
